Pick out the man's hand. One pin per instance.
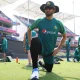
(25, 50)
(56, 50)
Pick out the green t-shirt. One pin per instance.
(4, 44)
(48, 33)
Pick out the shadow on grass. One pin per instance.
(73, 78)
(48, 76)
(30, 68)
(27, 68)
(51, 76)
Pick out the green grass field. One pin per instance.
(63, 71)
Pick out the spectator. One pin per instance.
(4, 46)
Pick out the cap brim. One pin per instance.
(56, 9)
(42, 8)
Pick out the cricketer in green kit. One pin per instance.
(77, 52)
(4, 45)
(68, 49)
(48, 34)
(45, 43)
(27, 48)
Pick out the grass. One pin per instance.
(63, 71)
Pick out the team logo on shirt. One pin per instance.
(55, 27)
(48, 32)
(44, 31)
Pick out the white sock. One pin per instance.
(35, 73)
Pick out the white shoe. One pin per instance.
(75, 60)
(35, 74)
(29, 65)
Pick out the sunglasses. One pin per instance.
(48, 7)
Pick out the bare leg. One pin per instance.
(29, 56)
(4, 56)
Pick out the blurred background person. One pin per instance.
(27, 48)
(77, 52)
(68, 49)
(4, 46)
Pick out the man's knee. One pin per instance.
(49, 67)
(49, 71)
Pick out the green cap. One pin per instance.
(50, 4)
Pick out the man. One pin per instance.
(4, 45)
(68, 49)
(45, 44)
(27, 48)
(77, 52)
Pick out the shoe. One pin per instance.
(74, 60)
(42, 65)
(29, 65)
(56, 62)
(35, 74)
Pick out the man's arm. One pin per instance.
(29, 36)
(62, 41)
(56, 50)
(24, 41)
(63, 32)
